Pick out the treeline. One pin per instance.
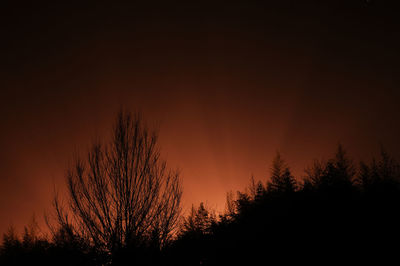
(337, 213)
(339, 210)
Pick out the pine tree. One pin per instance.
(343, 167)
(198, 221)
(281, 178)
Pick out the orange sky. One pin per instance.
(227, 85)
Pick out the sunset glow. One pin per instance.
(226, 87)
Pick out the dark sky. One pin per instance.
(227, 84)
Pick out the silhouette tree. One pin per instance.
(256, 189)
(314, 175)
(11, 248)
(253, 187)
(342, 168)
(337, 173)
(199, 221)
(365, 177)
(260, 191)
(243, 202)
(74, 249)
(123, 195)
(281, 179)
(381, 173)
(230, 206)
(31, 233)
(387, 169)
(10, 240)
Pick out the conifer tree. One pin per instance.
(281, 178)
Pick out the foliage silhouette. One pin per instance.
(337, 214)
(282, 180)
(340, 213)
(199, 221)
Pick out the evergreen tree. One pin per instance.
(314, 175)
(260, 191)
(343, 167)
(337, 173)
(198, 221)
(281, 178)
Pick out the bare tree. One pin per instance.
(122, 194)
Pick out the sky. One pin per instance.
(226, 84)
